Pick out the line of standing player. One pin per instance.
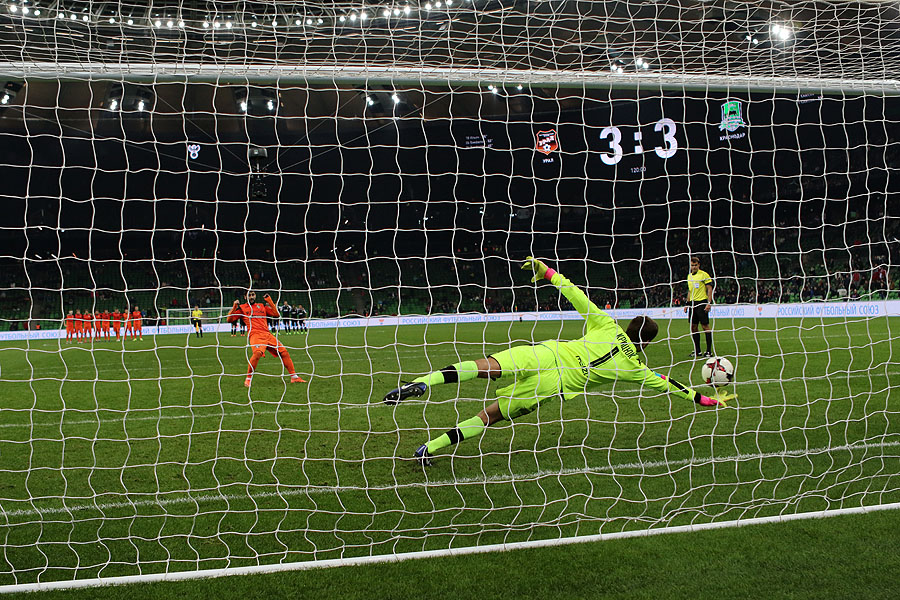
(82, 327)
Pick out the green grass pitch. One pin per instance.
(151, 456)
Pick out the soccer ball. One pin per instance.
(717, 371)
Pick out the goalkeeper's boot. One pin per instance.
(297, 379)
(422, 456)
(414, 388)
(694, 355)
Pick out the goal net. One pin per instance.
(382, 172)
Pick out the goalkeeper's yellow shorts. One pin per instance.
(537, 379)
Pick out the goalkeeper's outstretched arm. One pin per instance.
(590, 311)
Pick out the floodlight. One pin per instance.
(258, 102)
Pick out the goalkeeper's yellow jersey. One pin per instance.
(604, 354)
(197, 314)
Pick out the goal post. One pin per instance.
(387, 180)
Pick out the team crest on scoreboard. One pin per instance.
(732, 119)
(547, 141)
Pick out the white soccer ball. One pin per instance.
(717, 371)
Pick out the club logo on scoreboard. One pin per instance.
(547, 141)
(732, 119)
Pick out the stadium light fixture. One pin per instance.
(319, 21)
(205, 24)
(131, 21)
(363, 16)
(297, 22)
(342, 18)
(37, 12)
(229, 25)
(406, 10)
(255, 101)
(782, 32)
(128, 97)
(395, 98)
(353, 17)
(13, 8)
(309, 21)
(386, 13)
(112, 20)
(170, 24)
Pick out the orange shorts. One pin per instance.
(263, 340)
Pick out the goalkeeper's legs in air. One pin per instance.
(455, 373)
(535, 379)
(464, 430)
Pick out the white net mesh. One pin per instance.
(383, 178)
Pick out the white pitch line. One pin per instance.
(318, 490)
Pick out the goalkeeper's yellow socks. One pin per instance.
(461, 371)
(465, 430)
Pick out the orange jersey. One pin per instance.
(104, 319)
(70, 322)
(136, 319)
(87, 320)
(265, 340)
(78, 321)
(255, 316)
(116, 319)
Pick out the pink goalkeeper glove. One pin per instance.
(707, 401)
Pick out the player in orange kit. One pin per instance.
(136, 324)
(79, 326)
(104, 325)
(87, 321)
(70, 326)
(256, 316)
(116, 318)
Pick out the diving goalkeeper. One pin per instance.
(541, 371)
